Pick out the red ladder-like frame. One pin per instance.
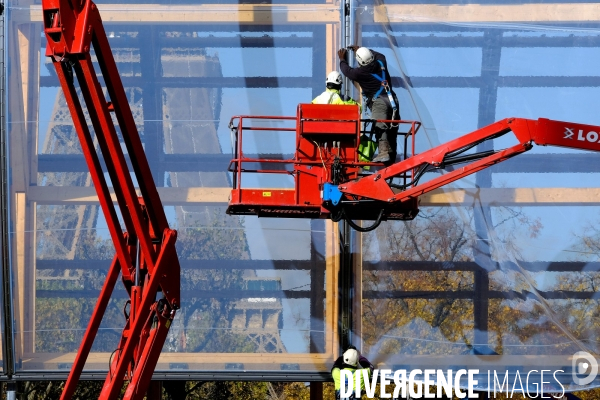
(145, 252)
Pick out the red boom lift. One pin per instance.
(145, 253)
(329, 182)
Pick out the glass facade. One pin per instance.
(501, 264)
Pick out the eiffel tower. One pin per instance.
(66, 226)
(188, 125)
(260, 318)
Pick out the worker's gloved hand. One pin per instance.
(354, 47)
(342, 54)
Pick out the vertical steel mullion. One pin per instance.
(8, 355)
(352, 37)
(345, 233)
(117, 156)
(345, 36)
(345, 288)
(482, 215)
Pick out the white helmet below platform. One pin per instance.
(334, 77)
(364, 56)
(351, 357)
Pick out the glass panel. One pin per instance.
(513, 276)
(502, 262)
(243, 290)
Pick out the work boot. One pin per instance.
(392, 159)
(384, 152)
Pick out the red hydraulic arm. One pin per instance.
(543, 132)
(145, 252)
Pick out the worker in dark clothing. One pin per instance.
(374, 79)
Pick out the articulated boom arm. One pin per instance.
(145, 253)
(331, 179)
(543, 132)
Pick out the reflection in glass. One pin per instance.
(508, 276)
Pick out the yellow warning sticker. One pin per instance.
(266, 194)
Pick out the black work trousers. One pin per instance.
(382, 109)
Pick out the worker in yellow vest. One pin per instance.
(351, 361)
(332, 93)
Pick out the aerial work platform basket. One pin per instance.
(326, 155)
(329, 181)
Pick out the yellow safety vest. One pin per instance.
(332, 96)
(336, 375)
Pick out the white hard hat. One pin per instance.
(364, 56)
(351, 357)
(334, 77)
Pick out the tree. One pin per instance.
(436, 236)
(581, 317)
(61, 319)
(434, 325)
(206, 321)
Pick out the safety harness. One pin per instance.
(385, 86)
